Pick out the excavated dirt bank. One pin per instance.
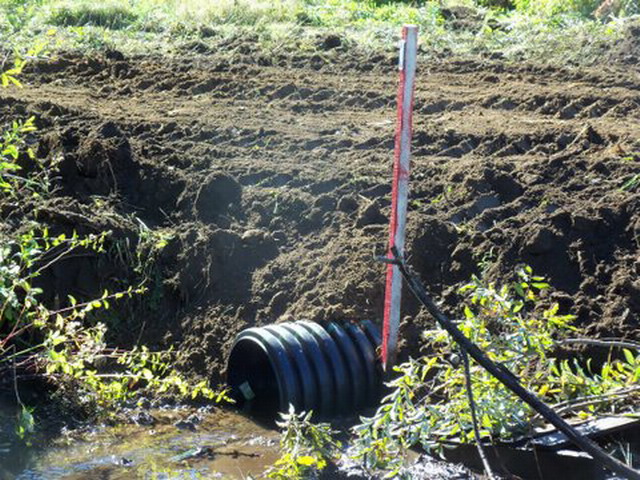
(270, 178)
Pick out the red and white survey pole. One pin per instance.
(399, 192)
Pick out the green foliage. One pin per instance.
(428, 405)
(22, 260)
(16, 157)
(576, 8)
(555, 7)
(65, 345)
(307, 447)
(531, 30)
(26, 424)
(371, 14)
(18, 13)
(12, 144)
(9, 76)
(631, 184)
(111, 16)
(150, 244)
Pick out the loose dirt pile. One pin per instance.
(627, 49)
(269, 176)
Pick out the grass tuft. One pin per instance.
(113, 17)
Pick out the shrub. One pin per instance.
(429, 406)
(113, 17)
(65, 345)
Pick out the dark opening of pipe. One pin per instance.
(332, 370)
(255, 385)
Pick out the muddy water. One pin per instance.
(221, 445)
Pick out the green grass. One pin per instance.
(113, 17)
(550, 30)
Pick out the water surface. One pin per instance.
(221, 445)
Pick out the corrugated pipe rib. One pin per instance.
(332, 370)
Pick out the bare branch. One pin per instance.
(601, 342)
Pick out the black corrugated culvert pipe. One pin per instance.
(332, 370)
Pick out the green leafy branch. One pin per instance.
(307, 447)
(66, 345)
(10, 76)
(428, 406)
(14, 147)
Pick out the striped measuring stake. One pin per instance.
(400, 191)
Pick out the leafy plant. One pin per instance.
(307, 447)
(150, 244)
(428, 405)
(26, 423)
(64, 345)
(14, 145)
(22, 260)
(10, 76)
(14, 149)
(18, 13)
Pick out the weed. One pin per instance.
(20, 60)
(64, 345)
(487, 260)
(307, 447)
(554, 7)
(150, 245)
(631, 184)
(14, 150)
(18, 14)
(13, 143)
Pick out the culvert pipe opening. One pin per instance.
(332, 370)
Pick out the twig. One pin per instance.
(601, 342)
(20, 353)
(509, 380)
(591, 399)
(80, 306)
(56, 259)
(474, 419)
(15, 384)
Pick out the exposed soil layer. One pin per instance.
(270, 178)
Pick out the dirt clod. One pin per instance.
(371, 215)
(331, 41)
(217, 192)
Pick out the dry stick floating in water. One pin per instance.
(507, 378)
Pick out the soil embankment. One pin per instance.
(270, 178)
